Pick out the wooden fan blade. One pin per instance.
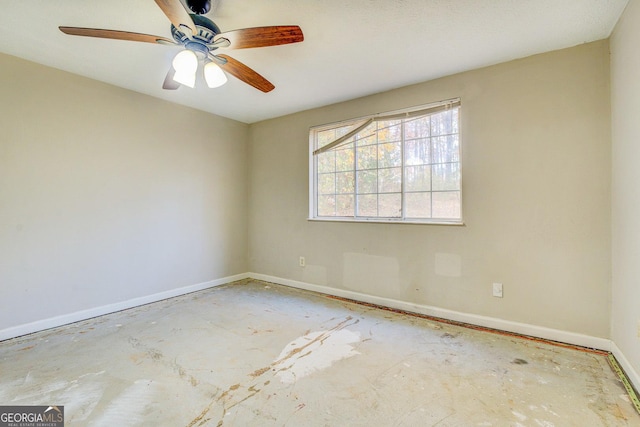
(169, 83)
(114, 34)
(177, 14)
(262, 36)
(246, 74)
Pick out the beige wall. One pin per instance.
(625, 108)
(108, 195)
(536, 199)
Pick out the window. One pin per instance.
(394, 167)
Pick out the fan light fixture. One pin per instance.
(186, 64)
(214, 75)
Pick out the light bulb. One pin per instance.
(214, 75)
(186, 64)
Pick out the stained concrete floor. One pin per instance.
(258, 354)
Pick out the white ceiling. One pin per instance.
(352, 48)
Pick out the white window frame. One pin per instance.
(405, 113)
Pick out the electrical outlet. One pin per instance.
(302, 262)
(497, 290)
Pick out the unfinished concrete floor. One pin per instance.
(258, 354)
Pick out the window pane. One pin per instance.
(418, 205)
(344, 205)
(418, 178)
(445, 149)
(327, 161)
(417, 128)
(388, 123)
(326, 205)
(446, 205)
(441, 123)
(326, 183)
(366, 136)
(343, 130)
(390, 180)
(446, 177)
(390, 155)
(402, 168)
(417, 152)
(325, 137)
(368, 205)
(344, 160)
(389, 131)
(367, 157)
(390, 205)
(345, 182)
(455, 120)
(367, 182)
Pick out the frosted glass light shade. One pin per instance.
(214, 75)
(186, 64)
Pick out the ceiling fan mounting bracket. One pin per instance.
(199, 7)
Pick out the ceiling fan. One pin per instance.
(201, 38)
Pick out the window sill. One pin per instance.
(388, 221)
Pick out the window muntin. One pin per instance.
(392, 167)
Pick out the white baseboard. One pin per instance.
(488, 322)
(78, 316)
(474, 319)
(632, 374)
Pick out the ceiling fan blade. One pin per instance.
(177, 14)
(262, 36)
(246, 74)
(114, 34)
(169, 83)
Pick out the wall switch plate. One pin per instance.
(497, 290)
(302, 262)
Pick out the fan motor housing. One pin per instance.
(207, 30)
